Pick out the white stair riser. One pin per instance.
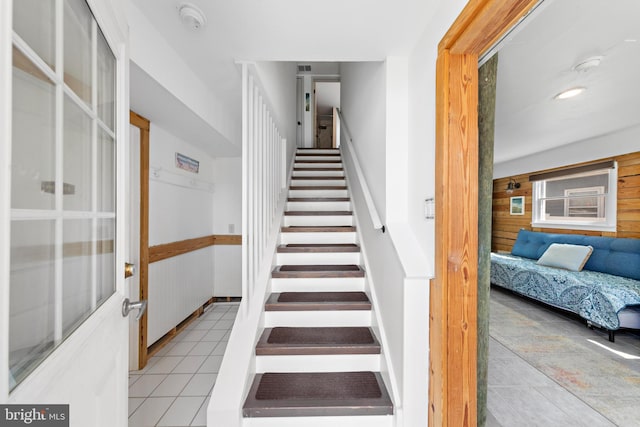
(318, 193)
(318, 206)
(299, 220)
(318, 258)
(318, 165)
(350, 421)
(334, 284)
(319, 237)
(318, 182)
(318, 363)
(316, 157)
(317, 318)
(337, 173)
(319, 151)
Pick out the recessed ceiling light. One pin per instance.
(570, 93)
(192, 16)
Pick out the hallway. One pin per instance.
(175, 386)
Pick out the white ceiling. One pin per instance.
(536, 64)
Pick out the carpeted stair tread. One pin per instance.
(319, 229)
(318, 199)
(317, 178)
(318, 187)
(318, 213)
(317, 341)
(317, 169)
(316, 301)
(318, 247)
(315, 271)
(317, 154)
(317, 394)
(319, 161)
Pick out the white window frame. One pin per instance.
(608, 223)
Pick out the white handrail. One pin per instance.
(347, 141)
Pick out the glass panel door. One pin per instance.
(63, 196)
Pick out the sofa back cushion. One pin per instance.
(617, 256)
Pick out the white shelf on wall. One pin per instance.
(159, 174)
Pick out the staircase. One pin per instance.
(317, 356)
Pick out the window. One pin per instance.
(63, 177)
(581, 198)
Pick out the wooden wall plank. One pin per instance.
(169, 250)
(506, 226)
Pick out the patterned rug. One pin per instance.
(604, 375)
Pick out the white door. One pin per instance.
(132, 246)
(64, 93)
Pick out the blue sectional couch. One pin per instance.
(606, 293)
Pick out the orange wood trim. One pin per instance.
(144, 125)
(138, 121)
(481, 24)
(228, 239)
(453, 301)
(169, 250)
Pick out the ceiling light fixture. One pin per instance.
(570, 93)
(192, 16)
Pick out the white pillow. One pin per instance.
(569, 257)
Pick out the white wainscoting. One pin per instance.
(177, 287)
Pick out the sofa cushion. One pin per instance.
(611, 255)
(569, 257)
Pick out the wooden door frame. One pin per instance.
(144, 125)
(453, 293)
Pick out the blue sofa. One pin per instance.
(606, 293)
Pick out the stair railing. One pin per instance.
(348, 143)
(264, 175)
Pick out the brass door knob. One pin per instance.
(129, 269)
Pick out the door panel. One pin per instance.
(67, 339)
(132, 247)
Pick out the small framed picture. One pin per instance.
(517, 205)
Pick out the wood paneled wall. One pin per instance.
(505, 227)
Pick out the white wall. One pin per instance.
(363, 101)
(177, 212)
(622, 142)
(422, 122)
(227, 219)
(180, 207)
(279, 83)
(152, 54)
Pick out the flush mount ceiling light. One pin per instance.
(570, 93)
(192, 16)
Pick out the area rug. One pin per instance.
(604, 375)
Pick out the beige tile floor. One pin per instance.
(175, 386)
(521, 395)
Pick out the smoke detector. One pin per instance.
(191, 16)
